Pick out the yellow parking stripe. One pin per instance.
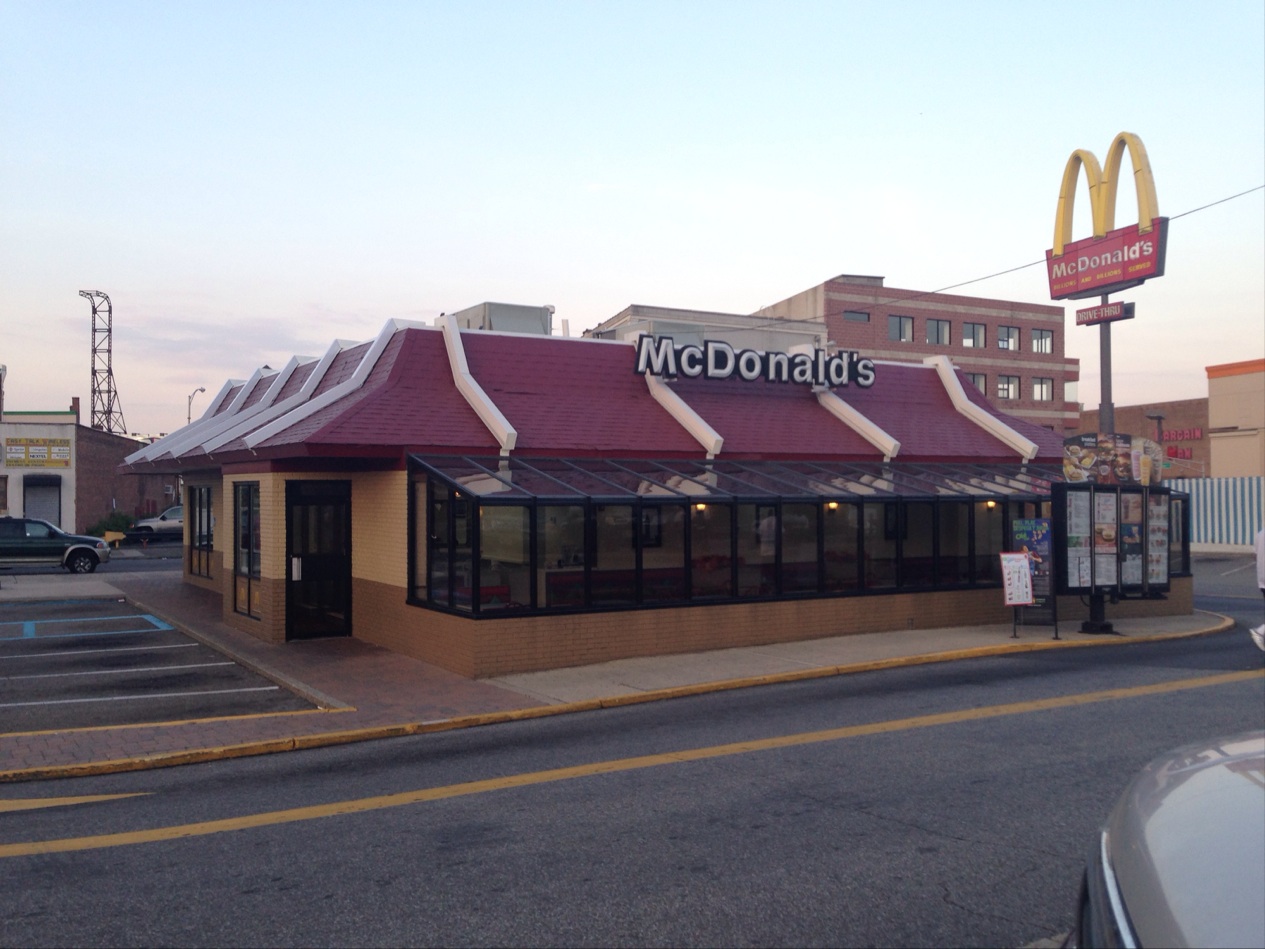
(362, 805)
(36, 803)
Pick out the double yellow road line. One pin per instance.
(363, 805)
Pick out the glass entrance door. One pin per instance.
(318, 550)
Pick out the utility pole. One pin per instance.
(107, 414)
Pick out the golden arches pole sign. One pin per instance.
(1113, 259)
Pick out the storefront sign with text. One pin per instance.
(716, 359)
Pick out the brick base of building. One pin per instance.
(495, 647)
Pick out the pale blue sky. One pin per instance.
(248, 181)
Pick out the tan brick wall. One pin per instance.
(379, 527)
(270, 623)
(525, 644)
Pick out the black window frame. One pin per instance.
(900, 329)
(247, 576)
(200, 503)
(440, 591)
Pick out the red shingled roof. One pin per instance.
(910, 403)
(408, 401)
(574, 397)
(581, 397)
(763, 419)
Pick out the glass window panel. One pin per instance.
(439, 556)
(663, 552)
(420, 538)
(954, 564)
(989, 540)
(839, 541)
(560, 555)
(462, 553)
(504, 556)
(710, 553)
(917, 565)
(614, 573)
(757, 549)
(799, 548)
(880, 520)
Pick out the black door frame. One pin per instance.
(303, 493)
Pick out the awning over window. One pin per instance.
(517, 480)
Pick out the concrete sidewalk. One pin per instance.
(364, 692)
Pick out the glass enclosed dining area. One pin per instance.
(496, 536)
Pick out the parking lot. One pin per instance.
(84, 663)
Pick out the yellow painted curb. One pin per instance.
(349, 736)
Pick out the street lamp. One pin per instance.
(189, 414)
(1157, 418)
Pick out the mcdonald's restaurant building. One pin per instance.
(500, 502)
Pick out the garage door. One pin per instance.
(41, 497)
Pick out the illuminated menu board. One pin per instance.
(1110, 538)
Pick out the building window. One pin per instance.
(1008, 337)
(1043, 390)
(938, 332)
(974, 335)
(201, 530)
(246, 549)
(856, 316)
(1007, 387)
(900, 329)
(1043, 341)
(483, 556)
(979, 380)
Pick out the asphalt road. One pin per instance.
(938, 805)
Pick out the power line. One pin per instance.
(1000, 273)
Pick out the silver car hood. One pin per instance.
(1187, 845)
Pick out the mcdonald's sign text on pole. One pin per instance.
(1101, 265)
(1107, 313)
(1113, 258)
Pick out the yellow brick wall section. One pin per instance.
(379, 527)
(526, 644)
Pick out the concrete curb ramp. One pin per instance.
(1217, 624)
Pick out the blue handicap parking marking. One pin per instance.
(33, 629)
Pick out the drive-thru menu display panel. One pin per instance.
(1111, 538)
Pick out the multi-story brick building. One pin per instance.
(1181, 427)
(1013, 352)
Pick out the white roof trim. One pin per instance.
(685, 416)
(313, 405)
(263, 410)
(1026, 448)
(168, 444)
(239, 426)
(491, 416)
(863, 426)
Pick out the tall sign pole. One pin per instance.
(1106, 408)
(1113, 259)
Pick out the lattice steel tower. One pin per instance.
(107, 414)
